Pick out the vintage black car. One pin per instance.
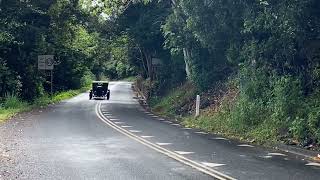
(99, 90)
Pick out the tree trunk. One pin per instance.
(149, 65)
(186, 55)
(145, 68)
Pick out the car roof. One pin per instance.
(100, 82)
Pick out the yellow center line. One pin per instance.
(176, 156)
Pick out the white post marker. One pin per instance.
(197, 106)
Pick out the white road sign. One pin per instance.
(45, 62)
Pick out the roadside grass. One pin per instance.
(8, 113)
(223, 120)
(220, 123)
(129, 79)
(170, 105)
(12, 105)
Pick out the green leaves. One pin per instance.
(29, 29)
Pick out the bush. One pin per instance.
(42, 101)
(64, 95)
(314, 124)
(287, 106)
(13, 102)
(10, 81)
(86, 79)
(175, 102)
(313, 118)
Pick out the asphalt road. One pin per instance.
(118, 139)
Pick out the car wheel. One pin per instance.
(108, 96)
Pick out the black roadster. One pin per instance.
(99, 90)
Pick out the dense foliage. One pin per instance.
(62, 28)
(269, 49)
(273, 47)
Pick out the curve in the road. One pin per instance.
(160, 149)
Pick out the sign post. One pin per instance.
(47, 62)
(51, 88)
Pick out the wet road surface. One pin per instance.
(118, 139)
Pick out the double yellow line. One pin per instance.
(171, 154)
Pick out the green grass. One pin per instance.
(8, 113)
(45, 100)
(170, 104)
(220, 123)
(13, 105)
(129, 79)
(225, 122)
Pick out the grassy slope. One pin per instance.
(15, 106)
(175, 104)
(214, 119)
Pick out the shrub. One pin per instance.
(42, 101)
(86, 79)
(313, 118)
(174, 103)
(13, 102)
